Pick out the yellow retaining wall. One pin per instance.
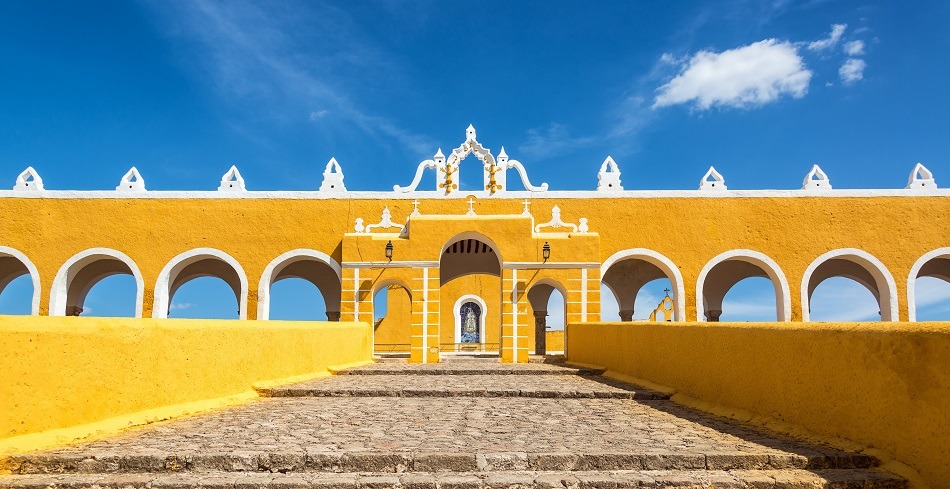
(60, 372)
(553, 340)
(884, 386)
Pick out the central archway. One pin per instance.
(470, 273)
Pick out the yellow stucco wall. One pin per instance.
(488, 288)
(896, 230)
(65, 371)
(886, 386)
(392, 331)
(554, 340)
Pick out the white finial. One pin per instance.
(28, 180)
(132, 181)
(816, 179)
(415, 209)
(470, 133)
(526, 211)
(921, 178)
(608, 178)
(712, 180)
(232, 181)
(359, 227)
(439, 157)
(332, 177)
(502, 155)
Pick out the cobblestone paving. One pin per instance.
(461, 367)
(386, 385)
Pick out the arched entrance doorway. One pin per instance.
(470, 287)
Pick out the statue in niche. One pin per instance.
(470, 315)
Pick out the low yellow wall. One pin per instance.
(59, 372)
(885, 386)
(553, 340)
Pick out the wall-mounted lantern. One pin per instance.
(389, 251)
(546, 251)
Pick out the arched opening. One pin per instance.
(928, 287)
(19, 284)
(470, 273)
(627, 273)
(285, 283)
(77, 277)
(725, 272)
(113, 296)
(547, 306)
(855, 265)
(198, 264)
(392, 318)
(203, 297)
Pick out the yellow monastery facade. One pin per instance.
(471, 271)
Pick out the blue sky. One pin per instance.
(762, 90)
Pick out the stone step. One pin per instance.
(777, 479)
(469, 368)
(532, 386)
(91, 462)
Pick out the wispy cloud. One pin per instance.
(287, 61)
(854, 48)
(177, 306)
(744, 77)
(554, 139)
(852, 70)
(837, 30)
(843, 299)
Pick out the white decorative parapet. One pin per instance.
(385, 222)
(921, 178)
(816, 179)
(712, 180)
(557, 223)
(507, 164)
(132, 181)
(232, 181)
(28, 180)
(608, 178)
(333, 178)
(435, 163)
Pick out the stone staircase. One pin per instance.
(456, 425)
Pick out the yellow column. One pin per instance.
(424, 341)
(515, 325)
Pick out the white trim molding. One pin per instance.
(277, 264)
(783, 296)
(171, 270)
(34, 276)
(887, 288)
(457, 311)
(59, 293)
(521, 265)
(912, 279)
(664, 264)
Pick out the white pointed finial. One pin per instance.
(816, 179)
(608, 178)
(502, 155)
(132, 181)
(921, 178)
(712, 180)
(333, 177)
(470, 133)
(232, 181)
(28, 180)
(439, 156)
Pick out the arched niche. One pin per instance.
(13, 265)
(313, 266)
(726, 270)
(935, 264)
(857, 265)
(84, 270)
(627, 271)
(201, 262)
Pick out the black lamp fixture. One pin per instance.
(389, 251)
(546, 251)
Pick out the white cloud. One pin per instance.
(854, 48)
(831, 41)
(852, 70)
(843, 299)
(743, 77)
(179, 305)
(317, 114)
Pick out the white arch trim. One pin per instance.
(476, 236)
(783, 295)
(277, 264)
(34, 276)
(60, 290)
(912, 279)
(163, 285)
(886, 286)
(457, 310)
(665, 264)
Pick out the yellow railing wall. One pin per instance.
(61, 372)
(883, 386)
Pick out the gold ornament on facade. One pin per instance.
(448, 184)
(493, 185)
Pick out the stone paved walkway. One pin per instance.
(328, 440)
